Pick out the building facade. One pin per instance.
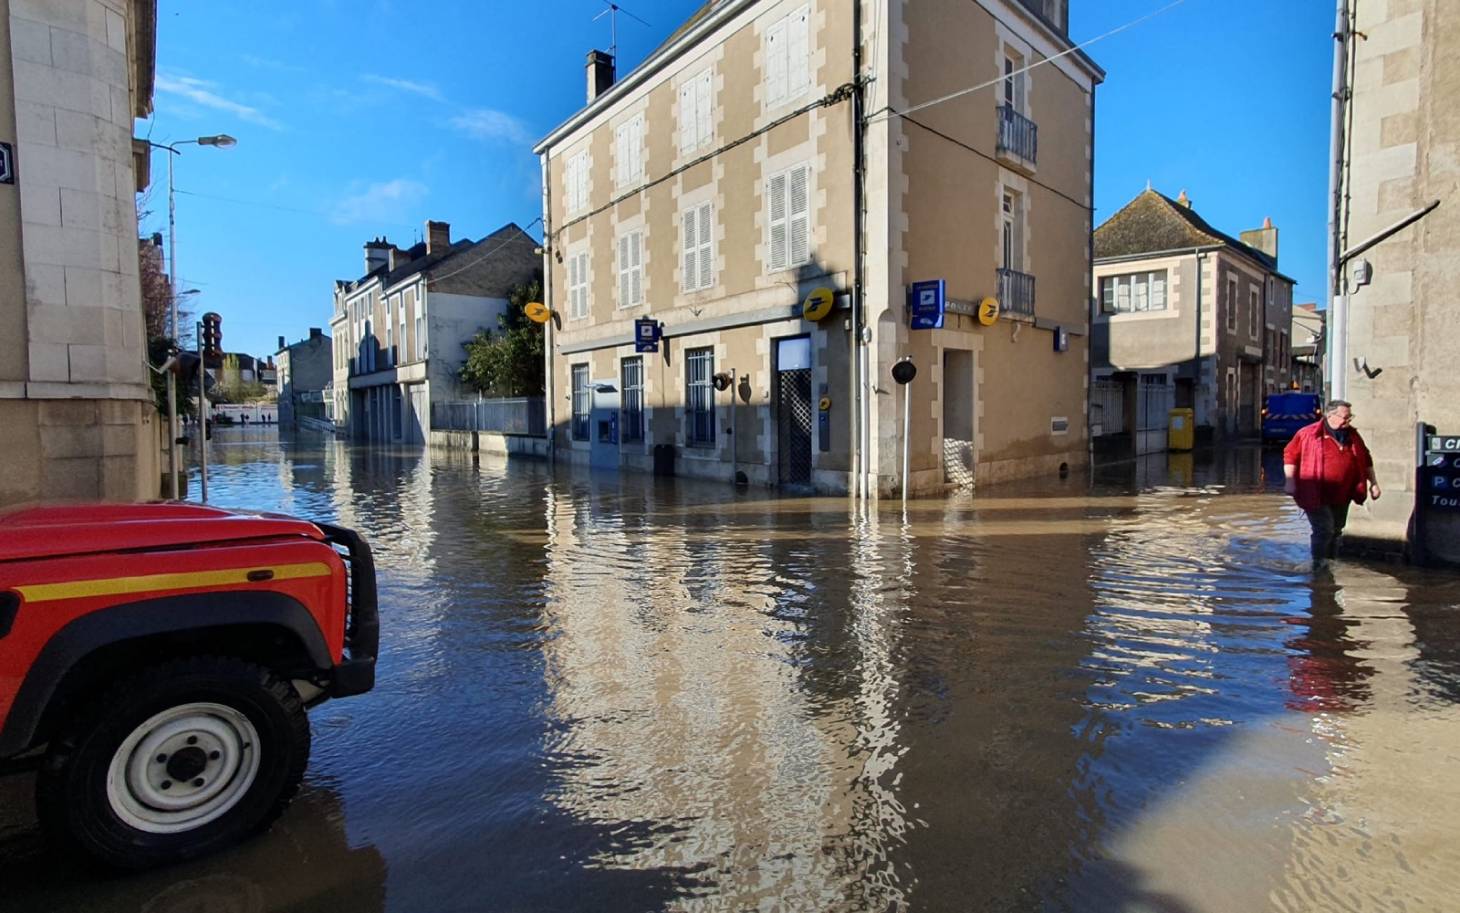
(74, 388)
(723, 188)
(1402, 154)
(302, 372)
(1310, 348)
(1185, 316)
(399, 329)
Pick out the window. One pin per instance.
(788, 196)
(631, 270)
(1252, 308)
(582, 401)
(575, 179)
(389, 339)
(695, 112)
(400, 319)
(1133, 292)
(629, 146)
(1014, 81)
(788, 58)
(1013, 232)
(631, 386)
(1231, 304)
(578, 285)
(699, 412)
(697, 230)
(420, 337)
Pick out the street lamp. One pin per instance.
(220, 141)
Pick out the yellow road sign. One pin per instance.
(818, 304)
(537, 312)
(988, 311)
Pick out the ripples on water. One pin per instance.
(630, 694)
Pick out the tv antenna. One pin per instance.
(612, 13)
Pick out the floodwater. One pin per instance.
(1125, 692)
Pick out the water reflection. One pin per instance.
(1123, 692)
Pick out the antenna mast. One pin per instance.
(612, 13)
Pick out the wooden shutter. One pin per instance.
(636, 268)
(707, 236)
(623, 271)
(688, 115)
(776, 194)
(703, 128)
(798, 52)
(799, 214)
(691, 248)
(775, 63)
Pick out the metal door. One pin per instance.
(793, 411)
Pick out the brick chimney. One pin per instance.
(600, 73)
(1264, 239)
(281, 343)
(375, 255)
(314, 333)
(395, 257)
(438, 237)
(1183, 199)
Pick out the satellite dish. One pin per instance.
(537, 312)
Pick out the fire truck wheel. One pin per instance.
(174, 763)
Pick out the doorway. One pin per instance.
(793, 410)
(958, 403)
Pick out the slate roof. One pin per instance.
(1154, 223)
(435, 263)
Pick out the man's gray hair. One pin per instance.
(1336, 404)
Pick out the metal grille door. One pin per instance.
(793, 426)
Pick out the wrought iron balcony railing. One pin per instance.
(1018, 135)
(1016, 293)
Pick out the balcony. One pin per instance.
(1018, 136)
(1016, 293)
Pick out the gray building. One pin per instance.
(302, 372)
(1184, 315)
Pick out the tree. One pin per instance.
(156, 313)
(232, 388)
(509, 361)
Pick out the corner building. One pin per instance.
(718, 184)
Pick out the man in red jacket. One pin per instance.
(1326, 466)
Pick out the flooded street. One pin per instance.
(631, 694)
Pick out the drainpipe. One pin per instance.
(857, 403)
(548, 252)
(1337, 290)
(1096, 302)
(1196, 356)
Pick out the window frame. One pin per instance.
(1123, 287)
(575, 179)
(694, 219)
(582, 394)
(699, 397)
(630, 262)
(631, 400)
(789, 219)
(629, 152)
(787, 49)
(696, 118)
(1232, 290)
(1254, 296)
(578, 285)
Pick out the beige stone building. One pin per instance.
(715, 187)
(74, 392)
(1402, 153)
(1186, 316)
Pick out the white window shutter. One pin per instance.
(702, 88)
(688, 116)
(798, 52)
(777, 194)
(636, 269)
(707, 235)
(623, 271)
(583, 284)
(638, 136)
(570, 184)
(800, 216)
(691, 250)
(775, 63)
(621, 153)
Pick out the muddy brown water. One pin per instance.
(1117, 692)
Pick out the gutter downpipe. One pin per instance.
(547, 294)
(1096, 301)
(857, 405)
(1337, 288)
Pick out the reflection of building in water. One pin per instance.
(687, 700)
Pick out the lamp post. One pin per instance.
(221, 141)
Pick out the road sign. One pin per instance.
(1439, 474)
(1061, 339)
(925, 301)
(647, 332)
(537, 312)
(818, 304)
(1446, 443)
(988, 311)
(904, 371)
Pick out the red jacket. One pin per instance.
(1329, 473)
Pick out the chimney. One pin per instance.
(438, 237)
(314, 333)
(1183, 199)
(600, 73)
(375, 254)
(1264, 239)
(395, 257)
(281, 343)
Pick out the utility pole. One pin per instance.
(1337, 286)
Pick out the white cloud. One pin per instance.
(424, 89)
(487, 124)
(380, 202)
(201, 92)
(269, 63)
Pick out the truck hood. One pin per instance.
(84, 529)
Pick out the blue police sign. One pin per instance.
(646, 335)
(925, 301)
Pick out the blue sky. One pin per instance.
(358, 118)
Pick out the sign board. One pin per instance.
(537, 312)
(904, 371)
(7, 164)
(1439, 473)
(818, 304)
(988, 311)
(646, 334)
(925, 301)
(1061, 339)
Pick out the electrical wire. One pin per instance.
(262, 205)
(979, 152)
(888, 113)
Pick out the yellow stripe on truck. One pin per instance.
(156, 583)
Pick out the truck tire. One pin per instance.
(174, 763)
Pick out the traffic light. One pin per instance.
(212, 335)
